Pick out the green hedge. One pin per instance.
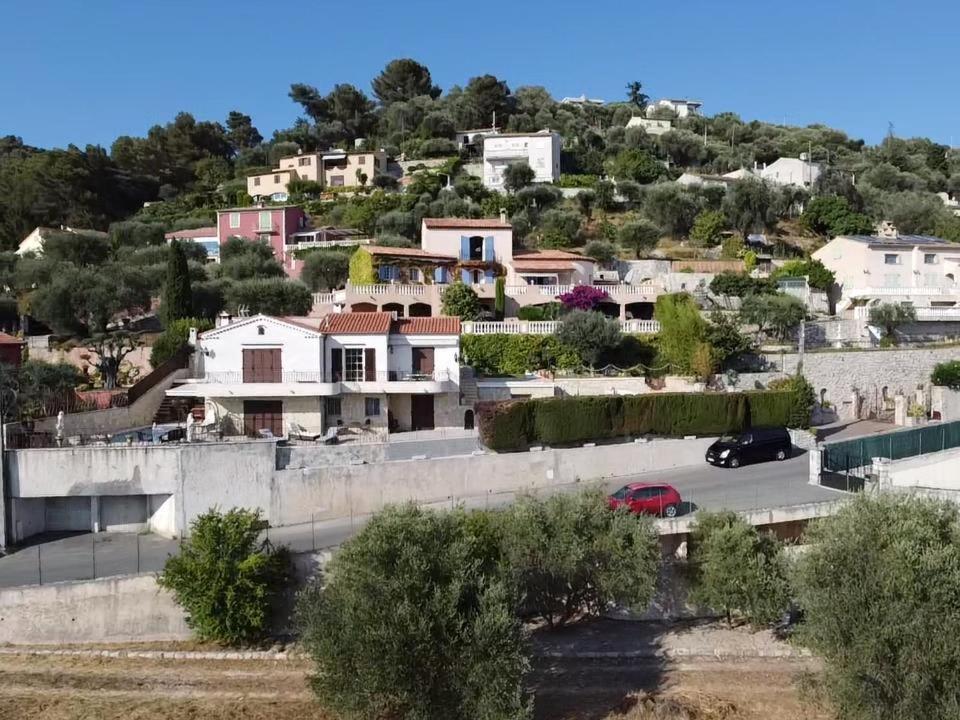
(516, 424)
(770, 408)
(498, 355)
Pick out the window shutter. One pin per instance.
(438, 275)
(466, 277)
(488, 277)
(488, 248)
(464, 247)
(370, 364)
(248, 371)
(336, 364)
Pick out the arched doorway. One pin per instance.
(640, 311)
(468, 420)
(394, 308)
(363, 307)
(420, 310)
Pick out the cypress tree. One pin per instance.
(177, 297)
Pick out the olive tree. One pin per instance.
(880, 587)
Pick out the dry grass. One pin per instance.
(643, 706)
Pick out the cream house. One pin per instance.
(915, 269)
(365, 370)
(541, 151)
(332, 168)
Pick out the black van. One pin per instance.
(753, 445)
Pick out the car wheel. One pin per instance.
(670, 511)
(734, 462)
(781, 454)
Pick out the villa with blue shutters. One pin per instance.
(476, 251)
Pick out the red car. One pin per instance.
(650, 498)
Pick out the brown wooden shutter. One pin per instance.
(248, 366)
(275, 373)
(370, 364)
(336, 364)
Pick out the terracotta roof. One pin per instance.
(550, 255)
(190, 234)
(357, 323)
(12, 340)
(307, 323)
(384, 251)
(523, 266)
(441, 325)
(454, 223)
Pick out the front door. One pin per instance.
(421, 412)
(262, 415)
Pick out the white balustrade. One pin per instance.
(323, 298)
(387, 288)
(546, 327)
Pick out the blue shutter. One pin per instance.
(439, 276)
(466, 277)
(488, 277)
(488, 248)
(464, 247)
(383, 272)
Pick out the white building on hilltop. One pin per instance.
(541, 151)
(796, 172)
(682, 107)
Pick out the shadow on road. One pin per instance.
(687, 507)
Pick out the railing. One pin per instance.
(179, 360)
(387, 288)
(323, 298)
(922, 314)
(297, 376)
(546, 327)
(900, 291)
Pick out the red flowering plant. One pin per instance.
(583, 297)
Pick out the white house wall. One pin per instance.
(223, 351)
(447, 241)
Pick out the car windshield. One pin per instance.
(729, 438)
(621, 493)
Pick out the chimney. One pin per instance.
(224, 319)
(503, 215)
(887, 229)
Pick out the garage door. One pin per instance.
(263, 415)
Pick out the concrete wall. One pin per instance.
(946, 402)
(117, 609)
(330, 492)
(937, 471)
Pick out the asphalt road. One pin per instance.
(83, 556)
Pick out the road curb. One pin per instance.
(269, 655)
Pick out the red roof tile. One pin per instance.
(357, 323)
(550, 255)
(383, 251)
(523, 266)
(10, 339)
(190, 234)
(454, 223)
(441, 325)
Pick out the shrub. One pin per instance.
(550, 311)
(564, 420)
(733, 284)
(583, 297)
(500, 298)
(817, 274)
(708, 227)
(325, 270)
(273, 296)
(225, 577)
(682, 329)
(174, 337)
(589, 334)
(361, 268)
(407, 622)
(947, 374)
(804, 399)
(736, 569)
(503, 354)
(601, 251)
(504, 425)
(177, 299)
(771, 408)
(460, 300)
(569, 554)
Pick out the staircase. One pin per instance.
(468, 387)
(174, 410)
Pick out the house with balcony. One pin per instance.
(541, 151)
(206, 237)
(367, 372)
(331, 168)
(680, 107)
(916, 270)
(273, 225)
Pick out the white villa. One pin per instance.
(364, 371)
(918, 270)
(798, 172)
(541, 151)
(682, 107)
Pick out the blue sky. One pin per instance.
(95, 69)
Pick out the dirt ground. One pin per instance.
(83, 688)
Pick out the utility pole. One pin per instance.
(801, 342)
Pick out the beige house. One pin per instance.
(911, 269)
(332, 168)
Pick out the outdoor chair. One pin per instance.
(296, 431)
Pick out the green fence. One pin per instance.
(849, 455)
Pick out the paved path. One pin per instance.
(83, 556)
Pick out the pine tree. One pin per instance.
(177, 297)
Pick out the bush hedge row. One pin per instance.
(503, 354)
(516, 424)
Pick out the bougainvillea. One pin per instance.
(583, 297)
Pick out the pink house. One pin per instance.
(273, 225)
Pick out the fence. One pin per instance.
(848, 463)
(547, 327)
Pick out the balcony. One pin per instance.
(311, 384)
(396, 382)
(548, 327)
(900, 292)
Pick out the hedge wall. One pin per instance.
(516, 424)
(502, 354)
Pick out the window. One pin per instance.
(371, 406)
(336, 180)
(256, 181)
(234, 220)
(276, 178)
(331, 406)
(261, 330)
(354, 364)
(476, 248)
(415, 276)
(301, 162)
(929, 259)
(891, 259)
(362, 160)
(266, 222)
